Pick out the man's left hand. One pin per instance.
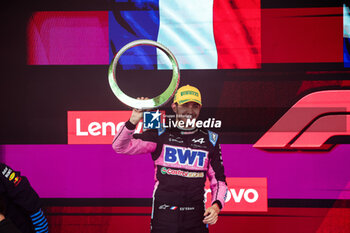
(211, 214)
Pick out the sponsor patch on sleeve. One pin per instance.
(213, 137)
(161, 130)
(12, 176)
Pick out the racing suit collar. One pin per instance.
(187, 131)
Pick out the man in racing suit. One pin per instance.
(183, 158)
(20, 203)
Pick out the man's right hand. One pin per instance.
(137, 114)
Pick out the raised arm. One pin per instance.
(125, 142)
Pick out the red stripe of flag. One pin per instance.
(302, 35)
(237, 33)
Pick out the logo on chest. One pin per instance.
(184, 156)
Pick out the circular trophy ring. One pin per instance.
(149, 103)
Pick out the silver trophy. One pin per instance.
(155, 102)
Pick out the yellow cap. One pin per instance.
(187, 94)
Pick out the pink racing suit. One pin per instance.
(183, 160)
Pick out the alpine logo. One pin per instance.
(184, 156)
(163, 207)
(201, 140)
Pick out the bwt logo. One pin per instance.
(243, 194)
(184, 156)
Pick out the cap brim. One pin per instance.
(190, 100)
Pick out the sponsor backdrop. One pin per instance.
(275, 73)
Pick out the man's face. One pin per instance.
(189, 110)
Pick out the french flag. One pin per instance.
(202, 34)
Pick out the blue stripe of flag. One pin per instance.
(346, 35)
(134, 20)
(346, 52)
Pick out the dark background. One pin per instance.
(35, 101)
